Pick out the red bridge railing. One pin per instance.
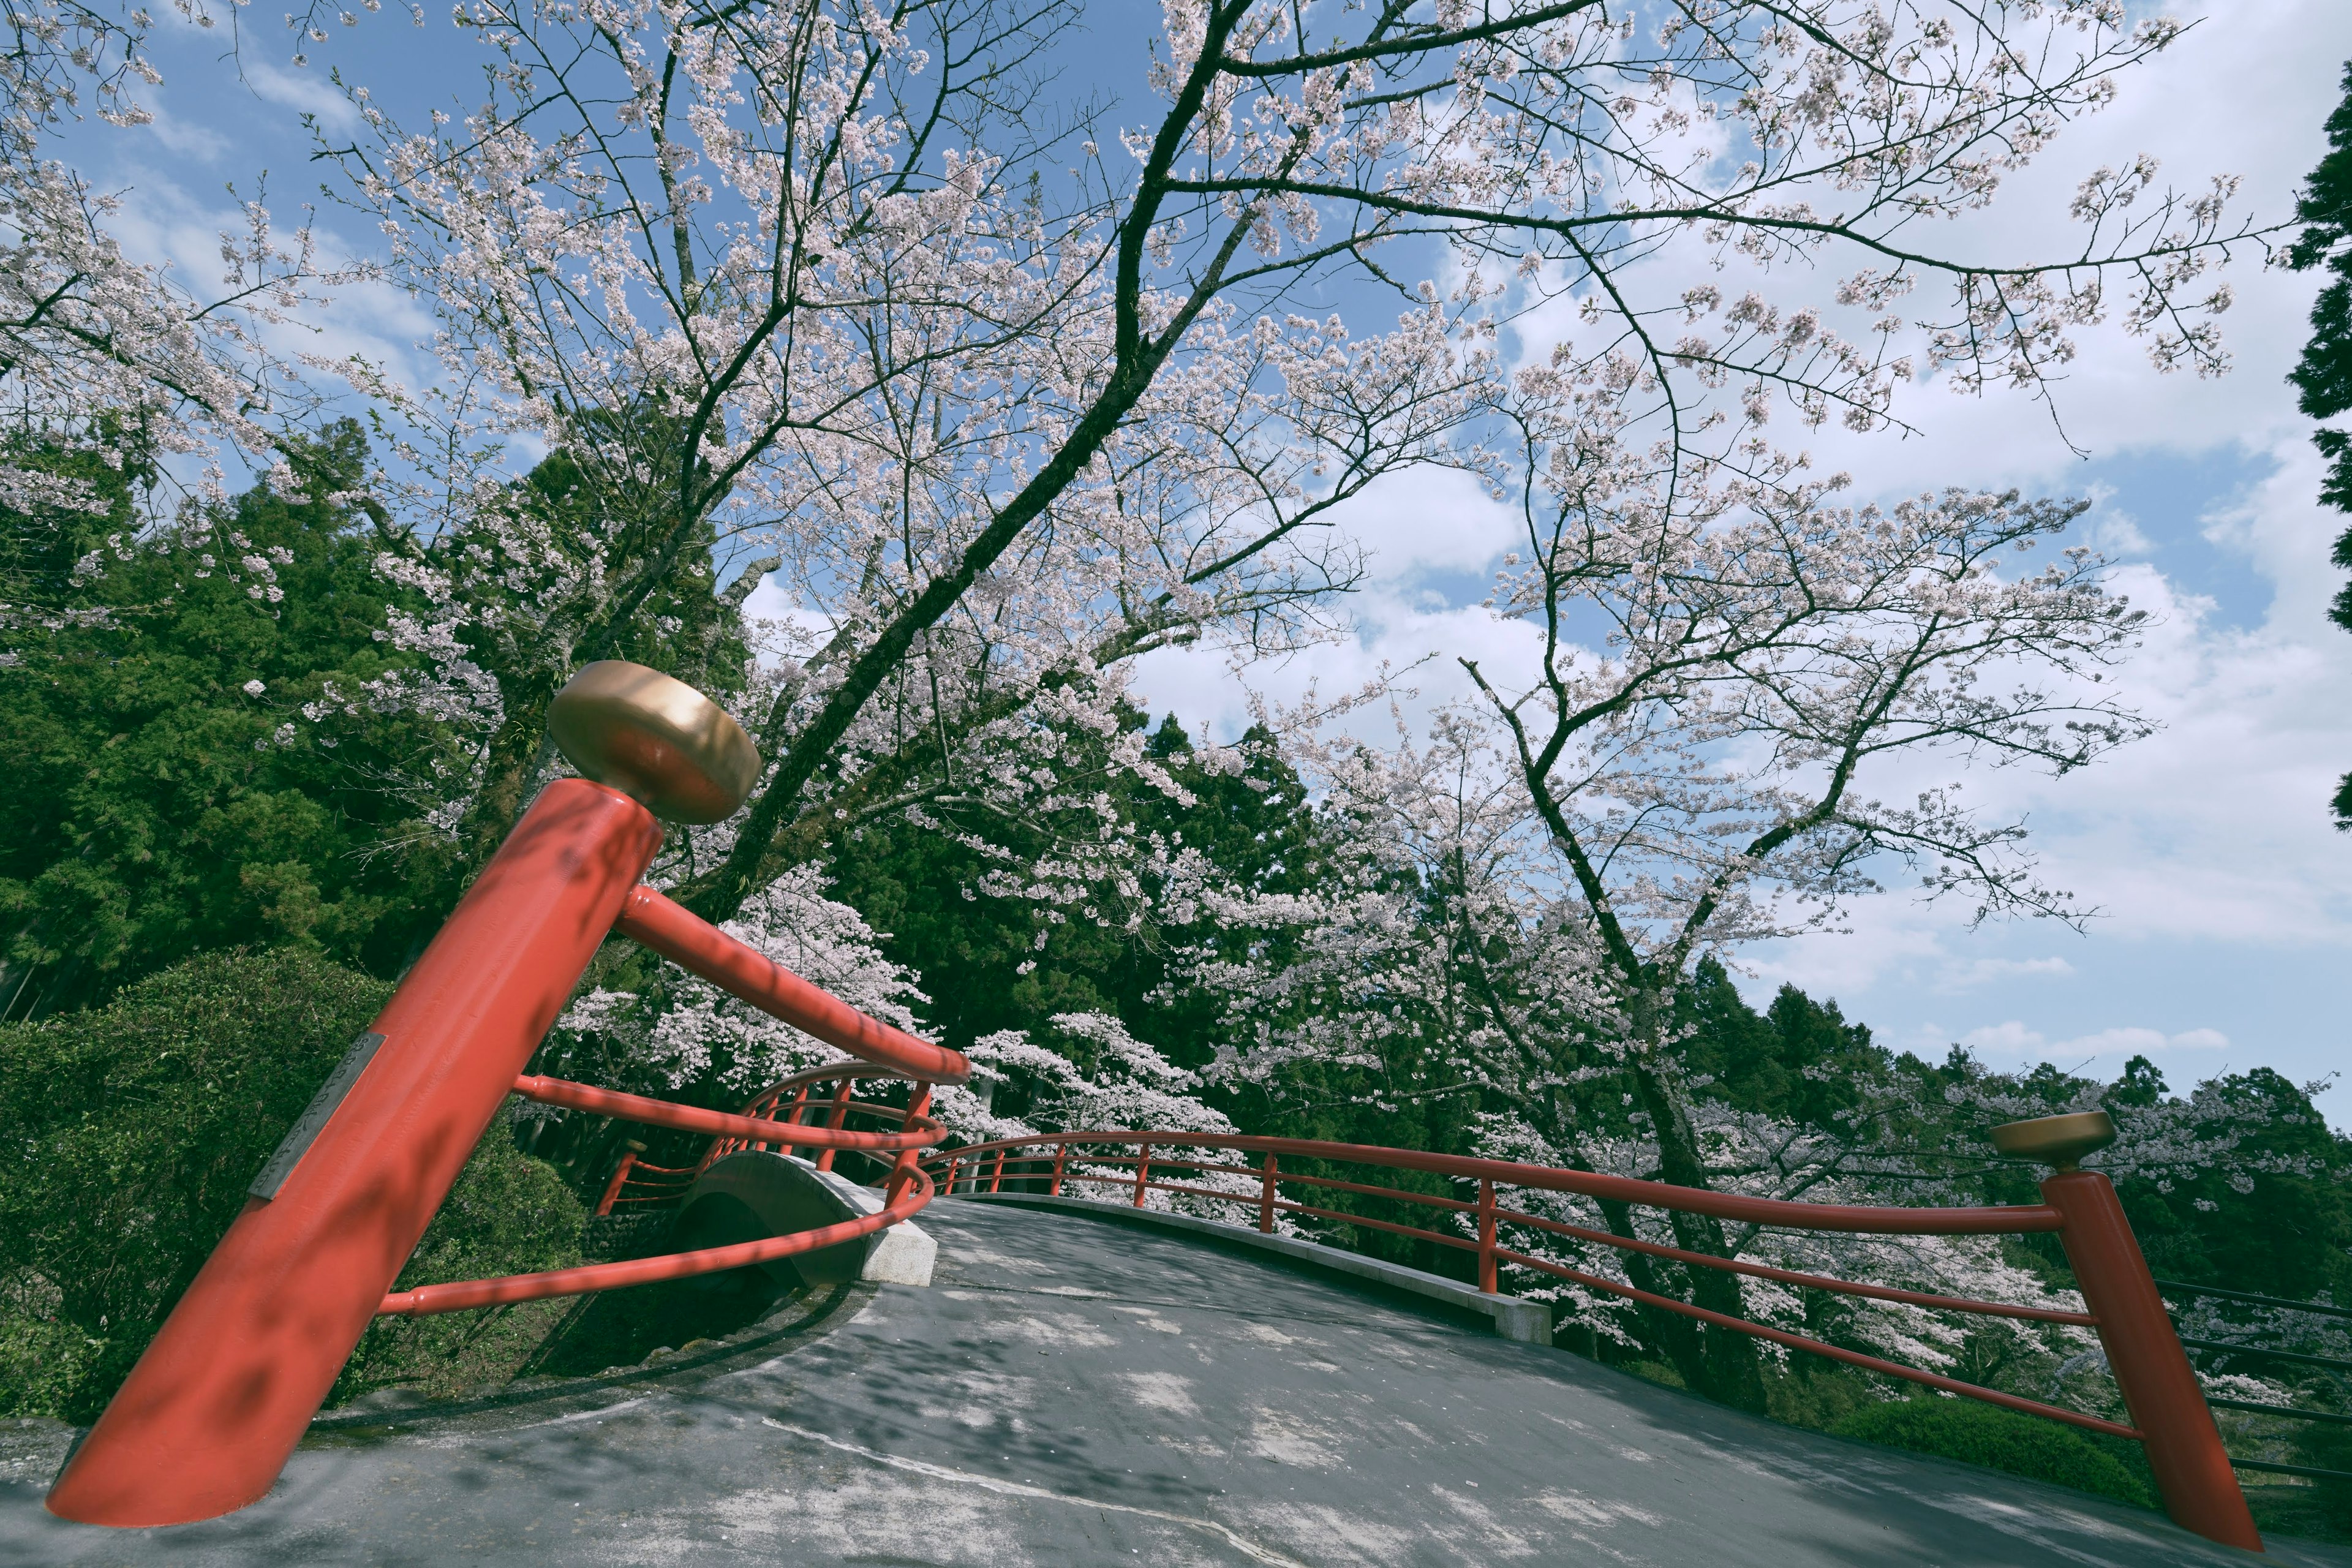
(788, 1103)
(2161, 1391)
(907, 1191)
(205, 1421)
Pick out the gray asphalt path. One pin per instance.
(1071, 1391)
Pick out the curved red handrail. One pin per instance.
(1490, 1173)
(1852, 1218)
(458, 1297)
(922, 1133)
(694, 944)
(908, 1190)
(1836, 1353)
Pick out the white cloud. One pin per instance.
(2014, 1038)
(1967, 975)
(181, 136)
(300, 90)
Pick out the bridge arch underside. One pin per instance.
(1072, 1391)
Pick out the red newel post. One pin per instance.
(800, 1105)
(840, 1116)
(1142, 1172)
(996, 1176)
(1486, 1279)
(2158, 1385)
(207, 1417)
(918, 1105)
(1060, 1155)
(619, 1178)
(1265, 1195)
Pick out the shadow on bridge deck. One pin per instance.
(1072, 1391)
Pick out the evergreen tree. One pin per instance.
(2322, 378)
(197, 762)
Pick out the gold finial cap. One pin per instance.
(657, 741)
(2058, 1142)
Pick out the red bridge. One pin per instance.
(1265, 1414)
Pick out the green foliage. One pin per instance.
(133, 1132)
(162, 808)
(918, 885)
(507, 1213)
(1980, 1434)
(2323, 376)
(2326, 1447)
(134, 1129)
(530, 625)
(1799, 1059)
(2277, 1233)
(39, 549)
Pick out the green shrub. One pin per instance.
(132, 1133)
(507, 1213)
(1999, 1439)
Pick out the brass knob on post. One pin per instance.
(657, 740)
(2058, 1142)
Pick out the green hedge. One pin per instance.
(132, 1133)
(1980, 1434)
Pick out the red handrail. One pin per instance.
(693, 1119)
(731, 1134)
(697, 946)
(459, 1296)
(2169, 1417)
(2020, 1219)
(203, 1424)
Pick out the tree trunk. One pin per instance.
(1731, 1371)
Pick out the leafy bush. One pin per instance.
(133, 1132)
(190, 770)
(1979, 1434)
(507, 1213)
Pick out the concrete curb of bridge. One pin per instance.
(1527, 1322)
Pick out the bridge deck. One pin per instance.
(1071, 1392)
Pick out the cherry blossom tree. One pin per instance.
(832, 293)
(1719, 681)
(154, 374)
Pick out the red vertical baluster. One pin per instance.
(1060, 1155)
(1265, 1196)
(840, 1114)
(800, 1105)
(1142, 1172)
(919, 1102)
(1486, 1237)
(620, 1177)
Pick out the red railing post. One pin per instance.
(953, 1166)
(1486, 1279)
(1142, 1172)
(2159, 1387)
(919, 1102)
(1061, 1156)
(1265, 1195)
(840, 1114)
(620, 1177)
(206, 1419)
(800, 1105)
(996, 1177)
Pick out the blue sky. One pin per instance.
(2227, 897)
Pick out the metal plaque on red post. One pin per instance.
(207, 1417)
